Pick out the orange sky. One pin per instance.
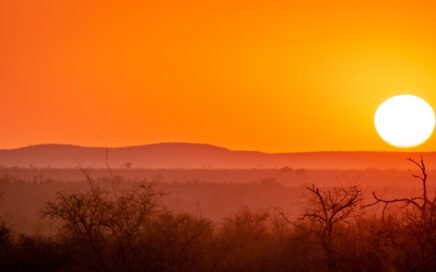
(270, 76)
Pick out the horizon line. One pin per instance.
(405, 150)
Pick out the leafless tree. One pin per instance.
(422, 203)
(326, 210)
(420, 221)
(95, 219)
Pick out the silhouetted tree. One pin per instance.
(326, 210)
(419, 222)
(101, 224)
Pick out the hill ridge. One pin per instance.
(194, 155)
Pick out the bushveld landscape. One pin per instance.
(217, 136)
(284, 219)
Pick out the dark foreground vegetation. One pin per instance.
(340, 229)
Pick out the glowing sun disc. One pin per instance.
(404, 121)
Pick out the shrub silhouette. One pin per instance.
(126, 231)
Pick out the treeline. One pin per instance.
(107, 229)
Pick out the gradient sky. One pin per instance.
(260, 75)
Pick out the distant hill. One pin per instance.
(186, 155)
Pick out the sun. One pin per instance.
(404, 121)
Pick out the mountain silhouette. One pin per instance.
(188, 155)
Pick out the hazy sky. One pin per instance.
(261, 75)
